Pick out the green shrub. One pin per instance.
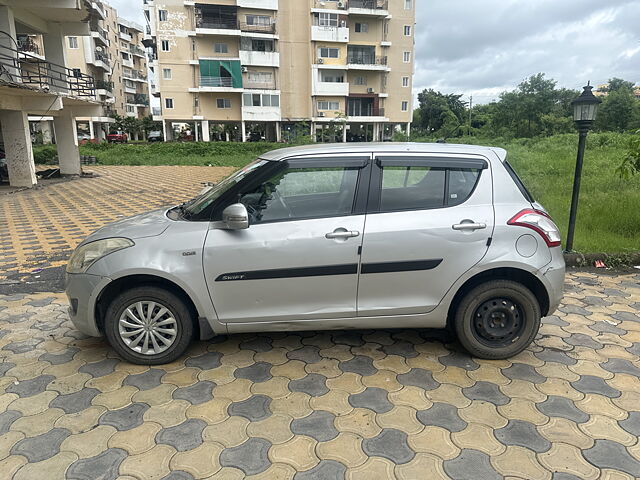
(45, 154)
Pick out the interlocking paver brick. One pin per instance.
(41, 447)
(125, 418)
(470, 465)
(183, 437)
(251, 457)
(319, 425)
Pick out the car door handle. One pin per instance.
(343, 234)
(469, 226)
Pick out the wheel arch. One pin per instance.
(503, 273)
(119, 285)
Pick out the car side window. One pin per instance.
(422, 187)
(410, 188)
(302, 193)
(462, 181)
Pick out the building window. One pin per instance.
(361, 81)
(261, 78)
(164, 46)
(405, 81)
(221, 48)
(166, 74)
(328, 19)
(405, 106)
(408, 4)
(362, 27)
(223, 102)
(407, 57)
(260, 100)
(131, 109)
(168, 102)
(407, 30)
(163, 15)
(326, 52)
(258, 20)
(329, 77)
(328, 105)
(73, 42)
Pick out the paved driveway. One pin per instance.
(327, 405)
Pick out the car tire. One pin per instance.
(175, 327)
(497, 319)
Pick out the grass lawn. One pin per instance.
(609, 212)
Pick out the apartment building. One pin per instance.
(259, 69)
(35, 79)
(114, 56)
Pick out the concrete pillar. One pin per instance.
(243, 131)
(226, 136)
(408, 129)
(18, 148)
(47, 131)
(8, 25)
(101, 136)
(376, 132)
(278, 132)
(206, 136)
(313, 131)
(196, 129)
(344, 133)
(55, 52)
(92, 132)
(67, 140)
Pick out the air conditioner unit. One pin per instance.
(320, 61)
(369, 90)
(340, 4)
(245, 69)
(321, 114)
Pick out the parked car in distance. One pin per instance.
(84, 137)
(393, 235)
(117, 137)
(155, 136)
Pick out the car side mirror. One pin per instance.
(235, 217)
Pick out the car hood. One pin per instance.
(148, 224)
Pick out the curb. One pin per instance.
(575, 259)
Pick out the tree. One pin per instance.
(631, 164)
(148, 124)
(620, 110)
(615, 84)
(440, 113)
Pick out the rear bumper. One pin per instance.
(82, 291)
(553, 278)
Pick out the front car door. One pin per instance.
(429, 220)
(298, 260)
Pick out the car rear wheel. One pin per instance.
(149, 325)
(497, 319)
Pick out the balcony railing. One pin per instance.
(366, 59)
(156, 111)
(101, 56)
(141, 99)
(369, 4)
(134, 75)
(217, 24)
(260, 85)
(216, 81)
(104, 85)
(258, 28)
(24, 68)
(137, 50)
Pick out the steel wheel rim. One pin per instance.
(148, 327)
(498, 322)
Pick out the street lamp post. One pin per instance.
(585, 109)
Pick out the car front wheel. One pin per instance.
(497, 319)
(149, 325)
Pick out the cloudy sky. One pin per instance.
(483, 47)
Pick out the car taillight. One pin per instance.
(540, 222)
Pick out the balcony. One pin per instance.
(330, 89)
(376, 8)
(217, 84)
(29, 44)
(259, 59)
(258, 28)
(100, 34)
(127, 62)
(22, 68)
(129, 88)
(98, 59)
(329, 34)
(104, 88)
(134, 75)
(259, 85)
(99, 9)
(124, 35)
(212, 26)
(259, 4)
(330, 5)
(367, 62)
(135, 50)
(141, 100)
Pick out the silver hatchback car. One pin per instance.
(329, 237)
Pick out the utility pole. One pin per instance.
(470, 107)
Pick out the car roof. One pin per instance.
(384, 148)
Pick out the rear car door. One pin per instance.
(298, 260)
(428, 221)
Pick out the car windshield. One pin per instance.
(201, 202)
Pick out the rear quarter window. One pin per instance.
(523, 189)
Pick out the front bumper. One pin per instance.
(82, 290)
